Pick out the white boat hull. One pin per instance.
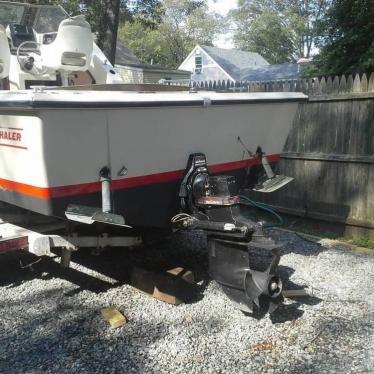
(53, 147)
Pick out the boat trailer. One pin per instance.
(42, 239)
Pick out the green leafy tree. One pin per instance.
(269, 36)
(348, 42)
(148, 12)
(149, 45)
(184, 23)
(289, 29)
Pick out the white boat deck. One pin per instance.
(55, 98)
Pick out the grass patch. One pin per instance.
(361, 242)
(306, 226)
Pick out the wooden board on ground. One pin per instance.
(172, 287)
(113, 316)
(295, 293)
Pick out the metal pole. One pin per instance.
(105, 190)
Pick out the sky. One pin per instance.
(222, 7)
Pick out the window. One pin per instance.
(198, 64)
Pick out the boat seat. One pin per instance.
(72, 48)
(4, 54)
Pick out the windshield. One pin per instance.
(10, 13)
(49, 18)
(42, 18)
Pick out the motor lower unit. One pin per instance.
(241, 258)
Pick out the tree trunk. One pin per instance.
(107, 39)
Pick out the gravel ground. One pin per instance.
(51, 323)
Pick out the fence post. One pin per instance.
(343, 84)
(364, 83)
(335, 84)
(329, 85)
(371, 83)
(349, 83)
(357, 84)
(304, 86)
(322, 86)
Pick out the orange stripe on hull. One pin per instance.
(92, 187)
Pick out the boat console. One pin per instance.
(41, 45)
(71, 48)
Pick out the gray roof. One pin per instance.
(273, 72)
(154, 67)
(233, 61)
(124, 55)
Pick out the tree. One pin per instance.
(289, 28)
(270, 37)
(104, 17)
(149, 45)
(107, 34)
(184, 23)
(347, 45)
(148, 12)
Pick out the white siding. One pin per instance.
(209, 71)
(137, 75)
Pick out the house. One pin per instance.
(129, 67)
(213, 64)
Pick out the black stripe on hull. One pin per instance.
(143, 206)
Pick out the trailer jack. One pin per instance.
(241, 259)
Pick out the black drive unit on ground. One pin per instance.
(241, 258)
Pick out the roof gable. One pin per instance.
(234, 61)
(124, 55)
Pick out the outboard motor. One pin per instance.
(241, 259)
(4, 54)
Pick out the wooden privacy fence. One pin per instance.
(312, 87)
(330, 153)
(329, 150)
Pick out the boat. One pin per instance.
(78, 144)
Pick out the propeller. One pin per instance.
(264, 288)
